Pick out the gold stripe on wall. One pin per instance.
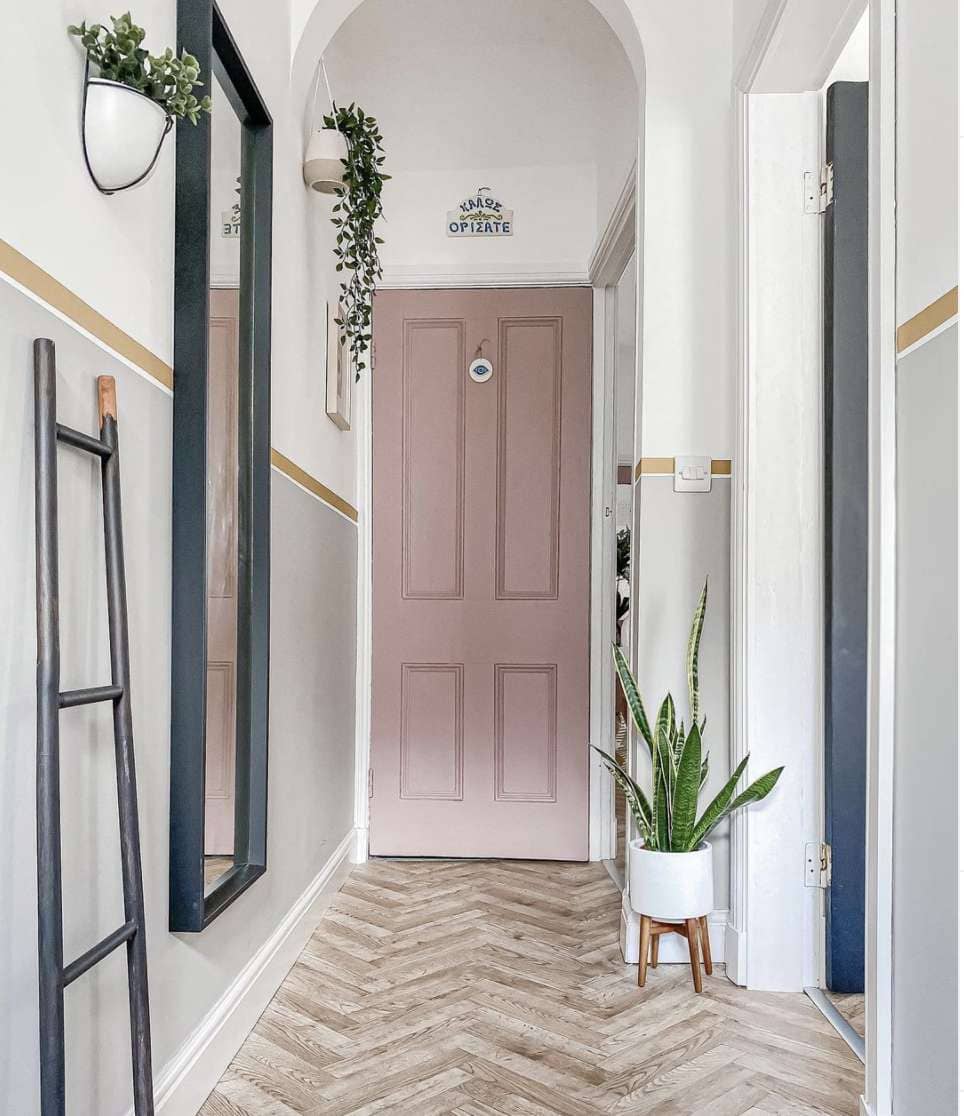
(930, 318)
(306, 480)
(55, 294)
(49, 290)
(666, 467)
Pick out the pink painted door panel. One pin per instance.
(481, 574)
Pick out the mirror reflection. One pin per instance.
(222, 491)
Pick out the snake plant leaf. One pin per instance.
(666, 765)
(633, 700)
(660, 807)
(705, 769)
(693, 654)
(679, 739)
(753, 793)
(666, 720)
(715, 809)
(687, 791)
(635, 795)
(757, 790)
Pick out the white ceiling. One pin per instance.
(457, 83)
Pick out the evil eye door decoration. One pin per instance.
(480, 370)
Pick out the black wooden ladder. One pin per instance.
(54, 975)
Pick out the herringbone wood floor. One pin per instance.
(496, 988)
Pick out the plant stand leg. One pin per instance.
(655, 950)
(692, 933)
(644, 926)
(705, 941)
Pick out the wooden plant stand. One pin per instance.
(695, 930)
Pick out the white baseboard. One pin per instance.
(735, 954)
(359, 848)
(672, 949)
(866, 1109)
(185, 1082)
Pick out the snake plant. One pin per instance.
(667, 821)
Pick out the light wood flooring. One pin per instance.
(496, 988)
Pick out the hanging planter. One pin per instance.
(354, 215)
(325, 159)
(133, 102)
(344, 157)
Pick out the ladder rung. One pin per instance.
(88, 696)
(99, 952)
(81, 441)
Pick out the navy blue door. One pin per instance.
(845, 526)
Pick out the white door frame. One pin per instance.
(609, 260)
(774, 37)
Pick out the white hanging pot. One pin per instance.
(123, 131)
(324, 166)
(671, 886)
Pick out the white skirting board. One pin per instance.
(184, 1083)
(672, 948)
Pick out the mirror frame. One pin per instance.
(202, 30)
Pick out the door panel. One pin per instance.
(845, 525)
(433, 457)
(481, 574)
(530, 406)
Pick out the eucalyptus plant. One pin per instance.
(118, 54)
(354, 216)
(667, 821)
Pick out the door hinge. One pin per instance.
(818, 190)
(818, 865)
(371, 783)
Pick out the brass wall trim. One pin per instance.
(930, 318)
(23, 271)
(665, 467)
(315, 487)
(49, 290)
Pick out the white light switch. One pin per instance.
(692, 474)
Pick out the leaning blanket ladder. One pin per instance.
(54, 975)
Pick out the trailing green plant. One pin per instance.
(667, 821)
(119, 56)
(354, 215)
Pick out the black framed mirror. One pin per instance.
(221, 482)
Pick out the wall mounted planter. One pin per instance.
(123, 131)
(324, 169)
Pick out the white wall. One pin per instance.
(117, 254)
(541, 106)
(927, 64)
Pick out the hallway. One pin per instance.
(496, 987)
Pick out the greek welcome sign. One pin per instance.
(480, 215)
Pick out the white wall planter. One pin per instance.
(324, 169)
(122, 133)
(671, 887)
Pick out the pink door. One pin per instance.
(481, 574)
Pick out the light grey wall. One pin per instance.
(311, 723)
(684, 537)
(925, 814)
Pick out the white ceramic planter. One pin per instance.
(671, 887)
(323, 168)
(123, 132)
